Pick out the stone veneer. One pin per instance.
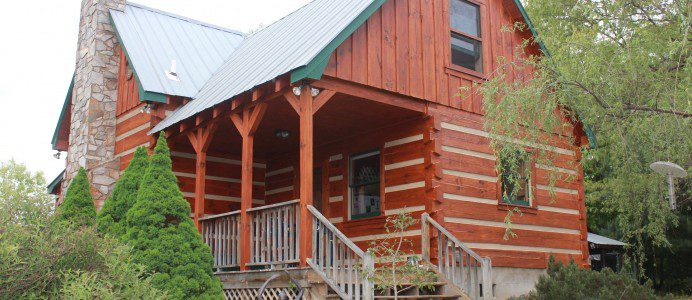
(92, 128)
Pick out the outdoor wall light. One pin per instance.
(57, 155)
(296, 90)
(314, 92)
(146, 108)
(282, 134)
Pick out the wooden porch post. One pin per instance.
(306, 105)
(200, 140)
(306, 173)
(247, 122)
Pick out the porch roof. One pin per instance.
(300, 43)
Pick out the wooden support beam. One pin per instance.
(370, 93)
(322, 99)
(200, 140)
(247, 121)
(306, 172)
(317, 102)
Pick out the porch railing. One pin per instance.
(456, 263)
(339, 261)
(275, 234)
(221, 233)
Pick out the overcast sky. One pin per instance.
(38, 42)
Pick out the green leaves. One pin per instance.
(570, 282)
(111, 218)
(623, 67)
(78, 206)
(165, 239)
(23, 197)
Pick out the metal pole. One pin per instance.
(671, 191)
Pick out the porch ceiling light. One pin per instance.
(282, 134)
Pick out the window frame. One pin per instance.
(484, 30)
(349, 187)
(532, 207)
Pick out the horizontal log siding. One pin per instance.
(404, 156)
(468, 187)
(404, 47)
(222, 185)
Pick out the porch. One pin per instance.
(303, 179)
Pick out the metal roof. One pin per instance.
(153, 39)
(601, 240)
(286, 45)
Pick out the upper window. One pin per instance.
(364, 185)
(465, 23)
(516, 186)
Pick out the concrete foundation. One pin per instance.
(510, 282)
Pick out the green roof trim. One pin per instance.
(315, 68)
(66, 104)
(523, 12)
(53, 184)
(143, 94)
(587, 130)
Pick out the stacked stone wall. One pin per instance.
(92, 128)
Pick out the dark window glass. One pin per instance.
(466, 52)
(364, 184)
(465, 20)
(465, 17)
(516, 189)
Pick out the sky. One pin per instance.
(38, 44)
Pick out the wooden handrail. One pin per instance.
(237, 212)
(459, 265)
(264, 207)
(342, 264)
(337, 232)
(453, 238)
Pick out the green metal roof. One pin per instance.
(66, 104)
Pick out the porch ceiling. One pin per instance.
(342, 117)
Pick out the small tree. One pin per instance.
(111, 219)
(23, 197)
(397, 266)
(165, 239)
(78, 207)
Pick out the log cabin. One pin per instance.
(293, 145)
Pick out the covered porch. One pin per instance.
(305, 176)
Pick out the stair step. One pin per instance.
(419, 297)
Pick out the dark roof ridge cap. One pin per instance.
(186, 19)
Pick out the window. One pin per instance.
(364, 185)
(465, 23)
(516, 186)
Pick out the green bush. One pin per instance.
(570, 282)
(165, 239)
(54, 261)
(111, 218)
(78, 206)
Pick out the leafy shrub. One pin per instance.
(165, 239)
(111, 218)
(23, 196)
(570, 282)
(78, 207)
(53, 261)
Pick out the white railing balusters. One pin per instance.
(336, 258)
(273, 235)
(458, 264)
(220, 234)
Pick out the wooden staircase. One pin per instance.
(337, 267)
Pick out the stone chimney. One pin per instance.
(92, 128)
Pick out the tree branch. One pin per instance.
(634, 107)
